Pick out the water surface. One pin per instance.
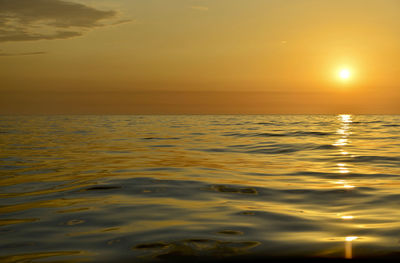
(138, 188)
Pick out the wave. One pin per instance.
(288, 134)
(183, 187)
(370, 158)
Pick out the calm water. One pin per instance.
(101, 188)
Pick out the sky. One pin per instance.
(199, 56)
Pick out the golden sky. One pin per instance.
(199, 56)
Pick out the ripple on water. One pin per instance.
(171, 188)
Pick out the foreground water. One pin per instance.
(138, 188)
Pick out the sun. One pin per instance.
(344, 74)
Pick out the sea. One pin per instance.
(133, 188)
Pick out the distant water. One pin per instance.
(139, 188)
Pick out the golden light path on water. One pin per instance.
(344, 131)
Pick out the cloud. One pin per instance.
(200, 8)
(123, 21)
(25, 20)
(22, 54)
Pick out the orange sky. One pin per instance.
(199, 56)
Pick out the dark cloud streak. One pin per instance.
(27, 20)
(22, 54)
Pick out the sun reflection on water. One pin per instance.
(347, 217)
(341, 142)
(342, 168)
(348, 247)
(344, 131)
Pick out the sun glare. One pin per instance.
(344, 74)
